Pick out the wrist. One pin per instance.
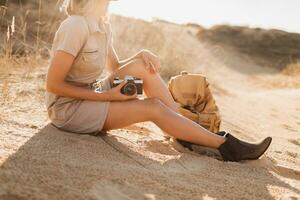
(103, 96)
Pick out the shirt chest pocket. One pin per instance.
(91, 55)
(90, 60)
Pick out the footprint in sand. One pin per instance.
(292, 154)
(295, 141)
(139, 129)
(274, 112)
(287, 172)
(281, 170)
(274, 115)
(288, 127)
(159, 146)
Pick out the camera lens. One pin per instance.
(129, 89)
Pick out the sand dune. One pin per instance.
(39, 161)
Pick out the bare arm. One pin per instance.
(59, 67)
(149, 58)
(69, 45)
(113, 60)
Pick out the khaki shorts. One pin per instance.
(84, 116)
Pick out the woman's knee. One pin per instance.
(135, 68)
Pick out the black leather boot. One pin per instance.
(234, 149)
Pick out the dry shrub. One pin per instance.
(19, 74)
(4, 92)
(132, 35)
(273, 48)
(35, 25)
(292, 69)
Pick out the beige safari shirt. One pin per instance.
(88, 41)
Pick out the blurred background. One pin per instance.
(277, 14)
(263, 31)
(248, 50)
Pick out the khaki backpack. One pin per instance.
(192, 93)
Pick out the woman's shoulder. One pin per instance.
(71, 35)
(74, 23)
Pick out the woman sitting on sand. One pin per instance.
(82, 48)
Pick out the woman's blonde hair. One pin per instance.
(80, 7)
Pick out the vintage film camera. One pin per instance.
(133, 85)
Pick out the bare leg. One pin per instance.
(153, 109)
(154, 85)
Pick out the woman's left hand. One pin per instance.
(151, 60)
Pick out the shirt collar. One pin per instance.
(96, 26)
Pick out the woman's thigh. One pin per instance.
(125, 113)
(135, 68)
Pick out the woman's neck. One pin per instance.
(97, 12)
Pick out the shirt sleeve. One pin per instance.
(71, 36)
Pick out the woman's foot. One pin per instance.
(234, 149)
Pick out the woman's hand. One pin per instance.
(116, 95)
(151, 60)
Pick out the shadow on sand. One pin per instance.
(58, 165)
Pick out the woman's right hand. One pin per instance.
(116, 95)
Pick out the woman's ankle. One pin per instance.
(219, 141)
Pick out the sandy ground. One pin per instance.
(39, 161)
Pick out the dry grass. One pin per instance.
(27, 37)
(292, 69)
(35, 28)
(41, 163)
(16, 74)
(22, 90)
(25, 51)
(158, 37)
(273, 48)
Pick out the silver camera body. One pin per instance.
(133, 85)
